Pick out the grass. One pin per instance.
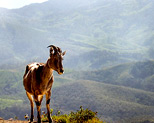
(80, 116)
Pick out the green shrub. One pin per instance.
(80, 116)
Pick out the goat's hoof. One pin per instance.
(50, 120)
(39, 121)
(31, 121)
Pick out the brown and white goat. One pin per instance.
(38, 80)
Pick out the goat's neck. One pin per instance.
(47, 71)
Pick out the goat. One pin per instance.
(38, 80)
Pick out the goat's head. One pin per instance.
(55, 60)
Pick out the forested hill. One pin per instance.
(138, 75)
(111, 32)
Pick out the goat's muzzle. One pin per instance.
(61, 71)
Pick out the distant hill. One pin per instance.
(122, 93)
(120, 29)
(108, 65)
(136, 75)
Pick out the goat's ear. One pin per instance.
(63, 53)
(51, 50)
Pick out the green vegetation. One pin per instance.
(116, 31)
(80, 116)
(109, 91)
(136, 75)
(108, 40)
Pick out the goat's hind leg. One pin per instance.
(32, 106)
(38, 99)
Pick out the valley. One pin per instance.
(108, 62)
(114, 99)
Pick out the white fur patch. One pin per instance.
(34, 65)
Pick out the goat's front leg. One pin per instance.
(48, 95)
(38, 100)
(32, 106)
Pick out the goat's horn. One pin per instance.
(59, 50)
(52, 47)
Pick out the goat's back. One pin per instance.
(31, 66)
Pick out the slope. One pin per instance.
(110, 96)
(112, 102)
(136, 75)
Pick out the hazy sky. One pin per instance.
(10, 4)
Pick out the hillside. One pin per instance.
(136, 75)
(114, 100)
(122, 31)
(113, 103)
(108, 64)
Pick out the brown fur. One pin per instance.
(38, 80)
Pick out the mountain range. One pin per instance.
(94, 33)
(108, 62)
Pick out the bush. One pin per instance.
(80, 116)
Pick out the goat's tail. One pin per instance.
(26, 71)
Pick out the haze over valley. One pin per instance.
(109, 64)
